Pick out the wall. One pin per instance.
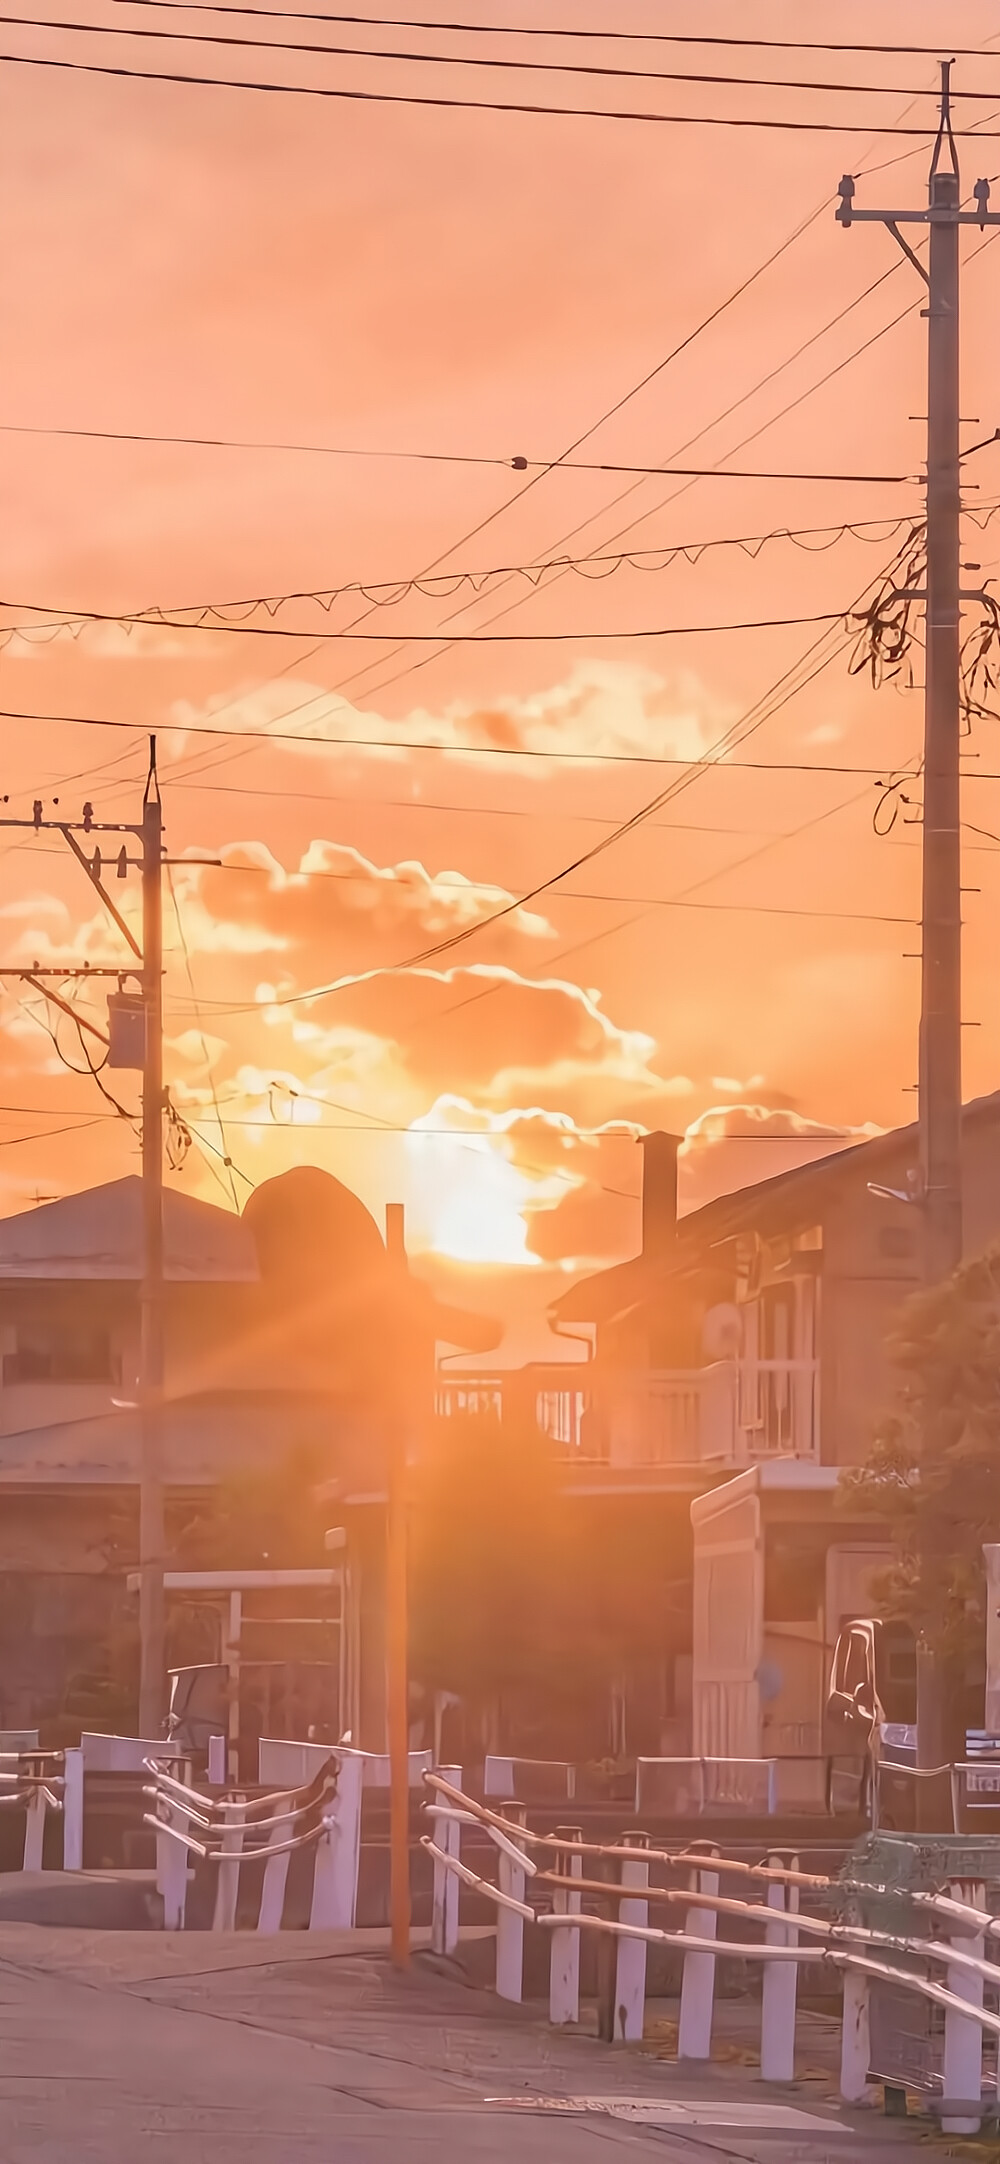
(728, 1630)
(870, 1267)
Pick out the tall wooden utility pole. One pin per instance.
(939, 1194)
(152, 1606)
(130, 1046)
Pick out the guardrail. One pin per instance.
(33, 1782)
(227, 1832)
(545, 1880)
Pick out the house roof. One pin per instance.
(97, 1234)
(789, 1201)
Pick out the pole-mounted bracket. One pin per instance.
(914, 1194)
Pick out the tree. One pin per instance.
(261, 1519)
(933, 1473)
(485, 1540)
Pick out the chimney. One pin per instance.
(659, 1194)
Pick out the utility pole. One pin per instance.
(939, 1195)
(134, 1038)
(403, 1381)
(152, 1607)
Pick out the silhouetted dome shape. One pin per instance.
(306, 1225)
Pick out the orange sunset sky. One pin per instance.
(203, 262)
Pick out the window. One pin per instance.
(57, 1353)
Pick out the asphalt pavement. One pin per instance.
(133, 2047)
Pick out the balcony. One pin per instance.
(732, 1413)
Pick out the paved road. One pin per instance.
(135, 2048)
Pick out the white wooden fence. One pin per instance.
(32, 1781)
(544, 1879)
(231, 1830)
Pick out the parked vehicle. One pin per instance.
(297, 1699)
(870, 1728)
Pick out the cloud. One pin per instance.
(599, 707)
(489, 1033)
(734, 1145)
(335, 901)
(517, 1187)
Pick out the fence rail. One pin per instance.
(231, 1831)
(541, 1882)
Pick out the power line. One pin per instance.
(179, 921)
(453, 458)
(478, 60)
(752, 719)
(755, 717)
(385, 682)
(412, 667)
(552, 30)
(461, 750)
(73, 1127)
(448, 888)
(650, 376)
(473, 105)
(444, 585)
(36, 632)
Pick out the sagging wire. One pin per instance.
(980, 663)
(884, 649)
(884, 638)
(178, 1138)
(94, 1069)
(224, 1152)
(444, 586)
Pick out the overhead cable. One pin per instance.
(474, 105)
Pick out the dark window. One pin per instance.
(857, 1663)
(793, 1582)
(53, 1354)
(897, 1671)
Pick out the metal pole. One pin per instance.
(404, 1381)
(152, 1615)
(941, 975)
(940, 1070)
(940, 1060)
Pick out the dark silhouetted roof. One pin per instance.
(788, 1201)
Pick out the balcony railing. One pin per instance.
(730, 1413)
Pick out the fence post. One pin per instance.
(228, 1880)
(855, 2042)
(73, 1811)
(962, 2080)
(217, 1761)
(34, 1818)
(779, 1986)
(335, 1871)
(694, 2029)
(630, 1967)
(510, 1926)
(447, 1885)
(172, 1869)
(564, 1950)
(272, 1892)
